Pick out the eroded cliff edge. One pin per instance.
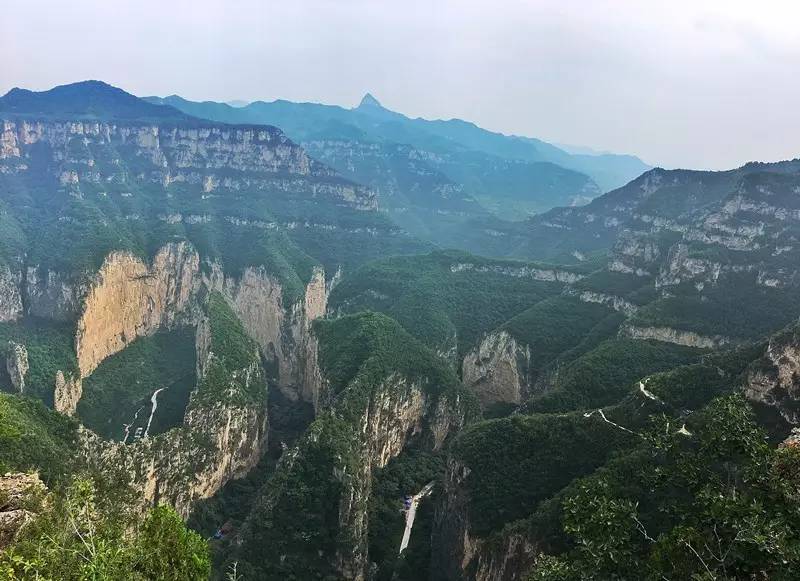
(388, 392)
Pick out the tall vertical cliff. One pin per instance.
(224, 429)
(312, 518)
(498, 370)
(129, 299)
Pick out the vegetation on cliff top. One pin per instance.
(519, 461)
(708, 502)
(294, 530)
(33, 438)
(445, 307)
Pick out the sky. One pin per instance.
(706, 84)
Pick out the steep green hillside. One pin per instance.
(604, 374)
(448, 299)
(33, 438)
(116, 396)
(301, 525)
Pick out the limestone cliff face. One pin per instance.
(676, 336)
(130, 299)
(283, 332)
(222, 437)
(393, 416)
(55, 295)
(349, 445)
(67, 393)
(498, 370)
(774, 380)
(209, 156)
(543, 274)
(458, 555)
(398, 412)
(10, 294)
(613, 301)
(17, 365)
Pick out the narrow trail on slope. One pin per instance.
(646, 392)
(154, 401)
(606, 420)
(411, 514)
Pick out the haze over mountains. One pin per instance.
(206, 307)
(419, 166)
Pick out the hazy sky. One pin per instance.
(698, 83)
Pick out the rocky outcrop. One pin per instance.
(210, 157)
(67, 393)
(129, 299)
(774, 380)
(344, 447)
(222, 437)
(458, 555)
(283, 333)
(17, 365)
(20, 494)
(398, 412)
(395, 414)
(613, 301)
(10, 294)
(543, 274)
(498, 370)
(54, 295)
(676, 336)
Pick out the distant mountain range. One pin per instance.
(240, 333)
(429, 171)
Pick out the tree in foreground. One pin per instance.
(81, 535)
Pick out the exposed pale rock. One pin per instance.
(543, 274)
(130, 299)
(220, 440)
(282, 334)
(10, 294)
(67, 393)
(398, 412)
(613, 301)
(9, 147)
(16, 492)
(17, 365)
(775, 380)
(260, 157)
(676, 336)
(498, 370)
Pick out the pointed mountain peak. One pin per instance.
(369, 101)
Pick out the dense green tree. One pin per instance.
(710, 501)
(82, 535)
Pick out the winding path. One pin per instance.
(411, 513)
(154, 402)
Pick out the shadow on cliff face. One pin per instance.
(118, 396)
(228, 508)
